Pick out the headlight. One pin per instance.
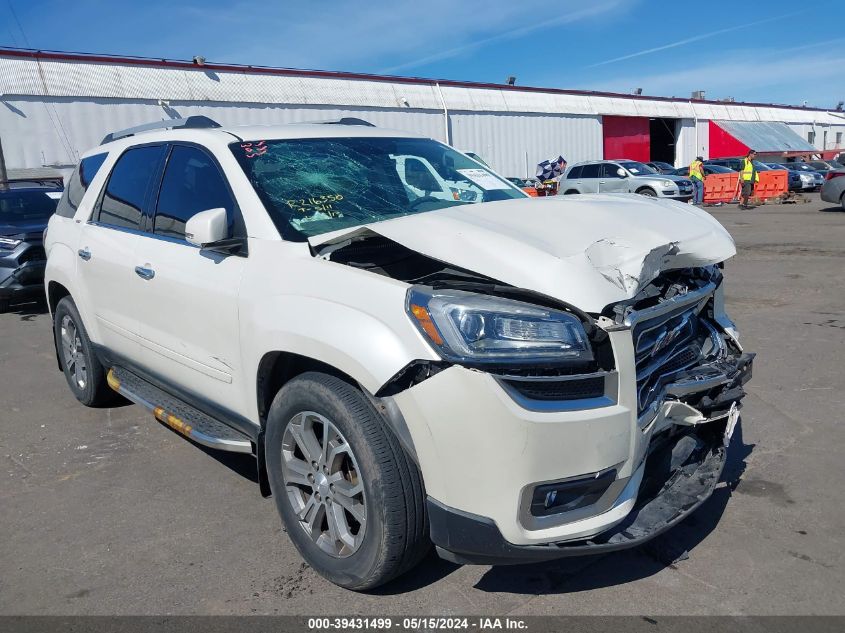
(668, 183)
(472, 328)
(8, 243)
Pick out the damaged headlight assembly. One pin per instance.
(472, 328)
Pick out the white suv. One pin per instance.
(507, 378)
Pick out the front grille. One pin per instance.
(666, 345)
(557, 390)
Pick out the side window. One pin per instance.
(575, 172)
(126, 192)
(590, 171)
(191, 183)
(78, 184)
(608, 170)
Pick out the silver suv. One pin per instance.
(624, 176)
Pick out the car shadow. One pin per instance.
(573, 575)
(834, 209)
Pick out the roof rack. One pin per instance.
(347, 120)
(192, 122)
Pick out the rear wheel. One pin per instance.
(4, 305)
(571, 192)
(842, 201)
(350, 497)
(83, 371)
(647, 192)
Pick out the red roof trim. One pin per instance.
(294, 72)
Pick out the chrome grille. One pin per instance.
(668, 339)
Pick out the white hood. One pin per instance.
(588, 250)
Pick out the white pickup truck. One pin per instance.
(507, 378)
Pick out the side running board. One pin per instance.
(177, 414)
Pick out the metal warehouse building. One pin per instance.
(54, 106)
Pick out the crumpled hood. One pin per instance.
(587, 250)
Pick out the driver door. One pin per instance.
(188, 320)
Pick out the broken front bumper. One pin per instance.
(680, 472)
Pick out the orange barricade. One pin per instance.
(771, 184)
(720, 187)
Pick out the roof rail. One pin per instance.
(347, 120)
(192, 122)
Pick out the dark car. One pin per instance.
(25, 208)
(661, 168)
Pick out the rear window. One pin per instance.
(27, 206)
(575, 172)
(590, 171)
(78, 184)
(127, 193)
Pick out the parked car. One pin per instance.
(527, 186)
(624, 176)
(811, 175)
(708, 169)
(833, 189)
(25, 208)
(661, 167)
(511, 380)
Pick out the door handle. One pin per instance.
(144, 272)
(84, 253)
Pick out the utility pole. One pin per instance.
(3, 177)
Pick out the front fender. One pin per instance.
(369, 344)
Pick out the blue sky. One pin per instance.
(783, 51)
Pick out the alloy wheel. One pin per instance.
(72, 352)
(323, 484)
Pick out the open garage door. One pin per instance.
(640, 138)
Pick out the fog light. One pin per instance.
(570, 495)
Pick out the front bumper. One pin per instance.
(22, 271)
(667, 498)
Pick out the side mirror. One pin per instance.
(207, 227)
(621, 173)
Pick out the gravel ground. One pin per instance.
(109, 512)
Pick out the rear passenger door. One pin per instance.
(107, 282)
(589, 180)
(188, 318)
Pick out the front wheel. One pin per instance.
(350, 497)
(648, 193)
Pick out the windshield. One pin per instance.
(718, 169)
(317, 185)
(802, 167)
(636, 168)
(17, 207)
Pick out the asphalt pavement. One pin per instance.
(106, 511)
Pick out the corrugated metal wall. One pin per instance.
(513, 144)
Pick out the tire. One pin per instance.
(88, 382)
(571, 192)
(393, 535)
(647, 192)
(842, 201)
(4, 305)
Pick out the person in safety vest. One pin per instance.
(748, 176)
(696, 174)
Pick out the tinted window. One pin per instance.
(21, 207)
(191, 183)
(608, 170)
(590, 171)
(126, 193)
(78, 184)
(575, 172)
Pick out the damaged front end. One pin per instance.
(690, 372)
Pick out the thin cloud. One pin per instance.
(696, 38)
(511, 33)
